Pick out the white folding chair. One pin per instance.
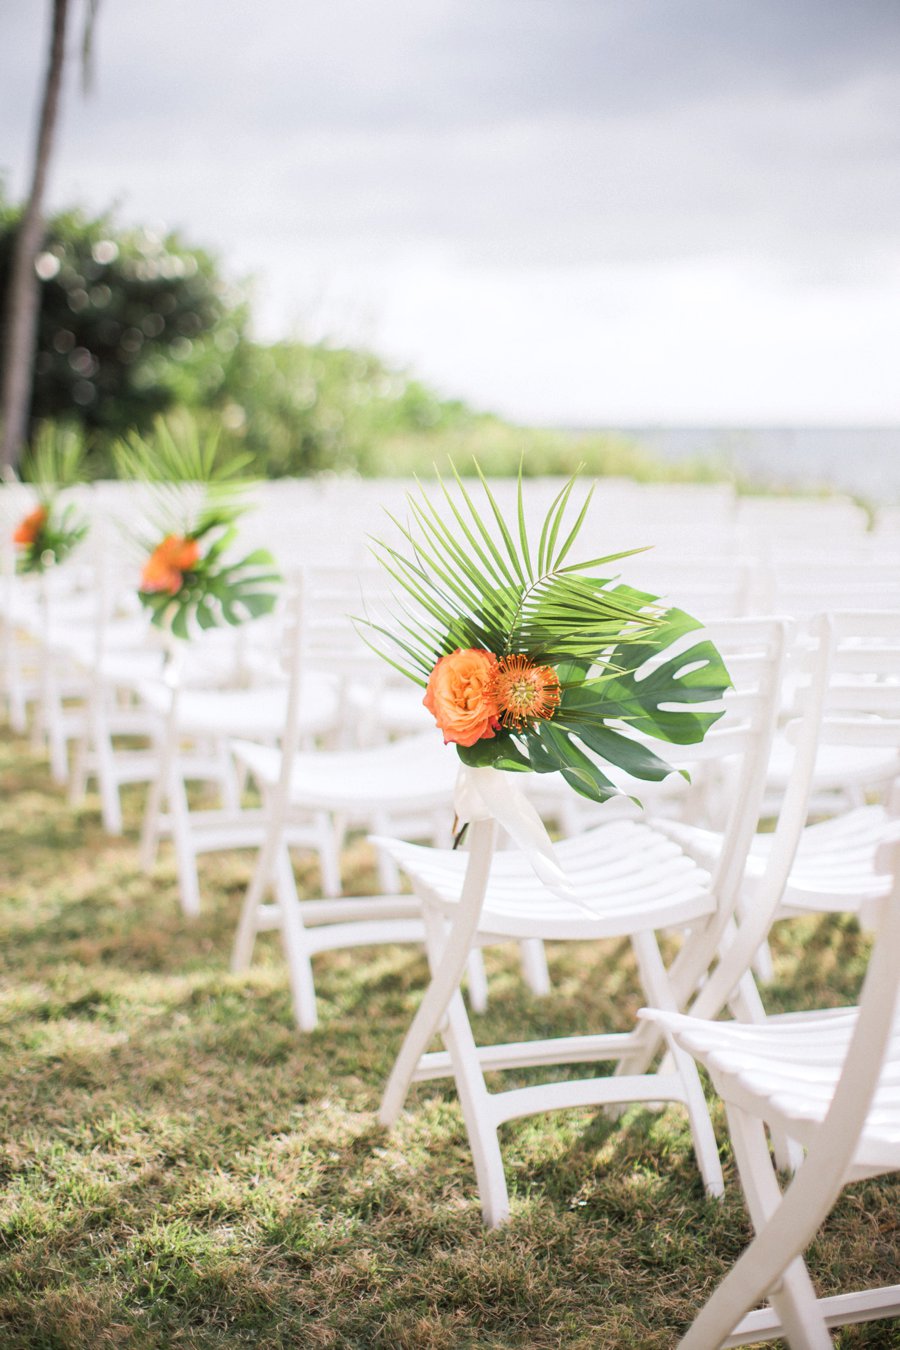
(404, 786)
(849, 663)
(310, 797)
(622, 879)
(831, 1083)
(207, 695)
(826, 1082)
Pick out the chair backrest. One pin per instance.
(804, 585)
(728, 768)
(732, 758)
(847, 693)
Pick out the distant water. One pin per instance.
(860, 460)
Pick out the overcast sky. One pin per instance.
(575, 211)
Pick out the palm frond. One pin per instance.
(193, 487)
(197, 495)
(55, 460)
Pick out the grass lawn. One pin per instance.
(180, 1167)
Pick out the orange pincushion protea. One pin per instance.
(460, 696)
(164, 569)
(27, 530)
(524, 692)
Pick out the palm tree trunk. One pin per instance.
(22, 300)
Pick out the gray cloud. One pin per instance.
(514, 133)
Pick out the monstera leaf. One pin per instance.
(532, 662)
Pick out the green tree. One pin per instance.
(129, 325)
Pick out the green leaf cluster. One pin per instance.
(62, 531)
(465, 577)
(55, 462)
(215, 592)
(197, 493)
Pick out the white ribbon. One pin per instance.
(486, 793)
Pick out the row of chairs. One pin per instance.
(722, 891)
(696, 864)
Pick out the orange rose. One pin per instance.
(28, 529)
(460, 696)
(163, 570)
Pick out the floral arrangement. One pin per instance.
(532, 662)
(187, 579)
(47, 535)
(50, 531)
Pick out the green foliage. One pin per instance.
(301, 408)
(59, 530)
(213, 591)
(501, 448)
(466, 583)
(56, 458)
(131, 323)
(55, 528)
(179, 453)
(199, 496)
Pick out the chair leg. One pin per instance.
(100, 740)
(150, 826)
(16, 681)
(655, 980)
(329, 834)
(748, 1007)
(794, 1298)
(446, 977)
(263, 878)
(263, 874)
(534, 965)
(52, 723)
(229, 785)
(476, 981)
(78, 779)
(296, 947)
(474, 1098)
(185, 857)
(274, 872)
(475, 1102)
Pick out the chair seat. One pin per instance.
(838, 767)
(785, 1071)
(130, 666)
(258, 710)
(625, 877)
(79, 640)
(418, 772)
(834, 868)
(396, 710)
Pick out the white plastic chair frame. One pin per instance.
(316, 793)
(831, 1083)
(850, 665)
(405, 786)
(197, 722)
(621, 879)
